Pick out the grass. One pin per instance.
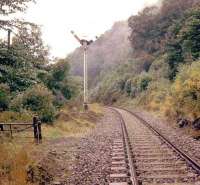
(73, 122)
(96, 108)
(8, 116)
(14, 160)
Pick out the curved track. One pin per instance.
(143, 156)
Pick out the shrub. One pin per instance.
(66, 92)
(16, 103)
(47, 114)
(37, 99)
(185, 94)
(128, 87)
(4, 97)
(157, 93)
(154, 96)
(59, 99)
(142, 81)
(160, 68)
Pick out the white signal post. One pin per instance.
(85, 77)
(85, 44)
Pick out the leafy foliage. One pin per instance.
(33, 84)
(59, 82)
(170, 29)
(186, 90)
(4, 97)
(10, 6)
(164, 72)
(36, 99)
(183, 47)
(19, 64)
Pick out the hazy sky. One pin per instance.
(85, 17)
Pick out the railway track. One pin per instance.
(142, 156)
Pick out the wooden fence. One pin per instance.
(35, 127)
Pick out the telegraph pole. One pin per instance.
(85, 44)
(9, 38)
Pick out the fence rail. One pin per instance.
(35, 126)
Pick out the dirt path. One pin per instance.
(55, 163)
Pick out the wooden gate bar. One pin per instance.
(36, 125)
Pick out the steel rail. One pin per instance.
(192, 162)
(133, 175)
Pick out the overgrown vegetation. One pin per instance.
(17, 158)
(13, 165)
(29, 82)
(163, 74)
(72, 121)
(32, 84)
(159, 70)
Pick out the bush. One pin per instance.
(16, 103)
(47, 114)
(186, 91)
(4, 97)
(59, 99)
(128, 87)
(154, 96)
(160, 68)
(157, 93)
(66, 92)
(37, 99)
(142, 81)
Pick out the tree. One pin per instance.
(8, 7)
(19, 65)
(174, 58)
(184, 47)
(150, 29)
(57, 75)
(189, 34)
(58, 80)
(29, 43)
(143, 31)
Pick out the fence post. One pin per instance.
(1, 127)
(37, 129)
(11, 135)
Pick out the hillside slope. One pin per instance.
(109, 50)
(163, 74)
